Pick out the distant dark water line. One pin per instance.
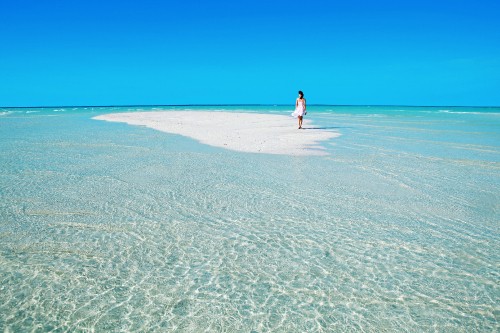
(243, 104)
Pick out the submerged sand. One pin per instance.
(245, 132)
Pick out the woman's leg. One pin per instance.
(300, 121)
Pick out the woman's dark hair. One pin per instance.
(301, 94)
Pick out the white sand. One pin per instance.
(246, 132)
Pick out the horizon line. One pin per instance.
(238, 104)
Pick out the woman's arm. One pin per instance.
(305, 105)
(296, 103)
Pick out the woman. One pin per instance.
(300, 108)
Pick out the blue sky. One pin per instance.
(223, 52)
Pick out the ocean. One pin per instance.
(111, 227)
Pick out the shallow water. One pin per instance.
(105, 226)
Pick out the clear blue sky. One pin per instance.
(221, 52)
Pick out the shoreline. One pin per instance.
(243, 132)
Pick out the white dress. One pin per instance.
(300, 109)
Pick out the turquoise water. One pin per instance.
(110, 227)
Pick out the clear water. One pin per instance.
(110, 227)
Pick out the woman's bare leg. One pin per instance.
(300, 121)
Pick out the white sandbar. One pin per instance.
(245, 132)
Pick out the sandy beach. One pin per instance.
(245, 132)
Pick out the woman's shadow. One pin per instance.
(321, 128)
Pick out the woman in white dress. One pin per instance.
(300, 108)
